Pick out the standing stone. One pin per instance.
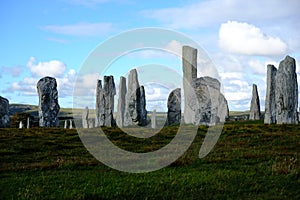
(99, 121)
(135, 105)
(71, 124)
(189, 66)
(174, 107)
(21, 124)
(153, 119)
(286, 93)
(4, 112)
(213, 107)
(142, 112)
(85, 118)
(255, 105)
(121, 102)
(48, 102)
(109, 91)
(28, 123)
(66, 124)
(270, 104)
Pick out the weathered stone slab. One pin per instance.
(270, 104)
(174, 107)
(121, 102)
(4, 113)
(255, 105)
(85, 118)
(48, 102)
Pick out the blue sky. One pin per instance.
(40, 38)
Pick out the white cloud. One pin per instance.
(53, 68)
(243, 38)
(80, 29)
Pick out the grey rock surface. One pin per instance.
(174, 107)
(270, 104)
(255, 104)
(28, 123)
(135, 105)
(153, 119)
(100, 118)
(286, 92)
(71, 124)
(213, 107)
(85, 118)
(48, 102)
(21, 124)
(109, 92)
(189, 66)
(121, 102)
(66, 124)
(4, 113)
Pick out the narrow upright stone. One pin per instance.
(71, 124)
(85, 118)
(189, 66)
(66, 124)
(174, 107)
(109, 92)
(121, 102)
(28, 123)
(270, 104)
(4, 112)
(48, 102)
(153, 119)
(91, 123)
(286, 94)
(142, 112)
(99, 121)
(255, 105)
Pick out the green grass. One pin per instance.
(250, 161)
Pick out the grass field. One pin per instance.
(250, 161)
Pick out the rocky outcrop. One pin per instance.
(121, 102)
(4, 112)
(174, 107)
(213, 107)
(48, 102)
(255, 104)
(270, 104)
(135, 105)
(286, 92)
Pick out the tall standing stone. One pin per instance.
(48, 102)
(174, 107)
(270, 104)
(121, 102)
(109, 92)
(135, 106)
(189, 66)
(4, 112)
(85, 118)
(255, 105)
(286, 93)
(99, 120)
(153, 119)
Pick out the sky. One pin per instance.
(54, 38)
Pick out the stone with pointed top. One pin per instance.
(255, 105)
(174, 107)
(270, 104)
(121, 102)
